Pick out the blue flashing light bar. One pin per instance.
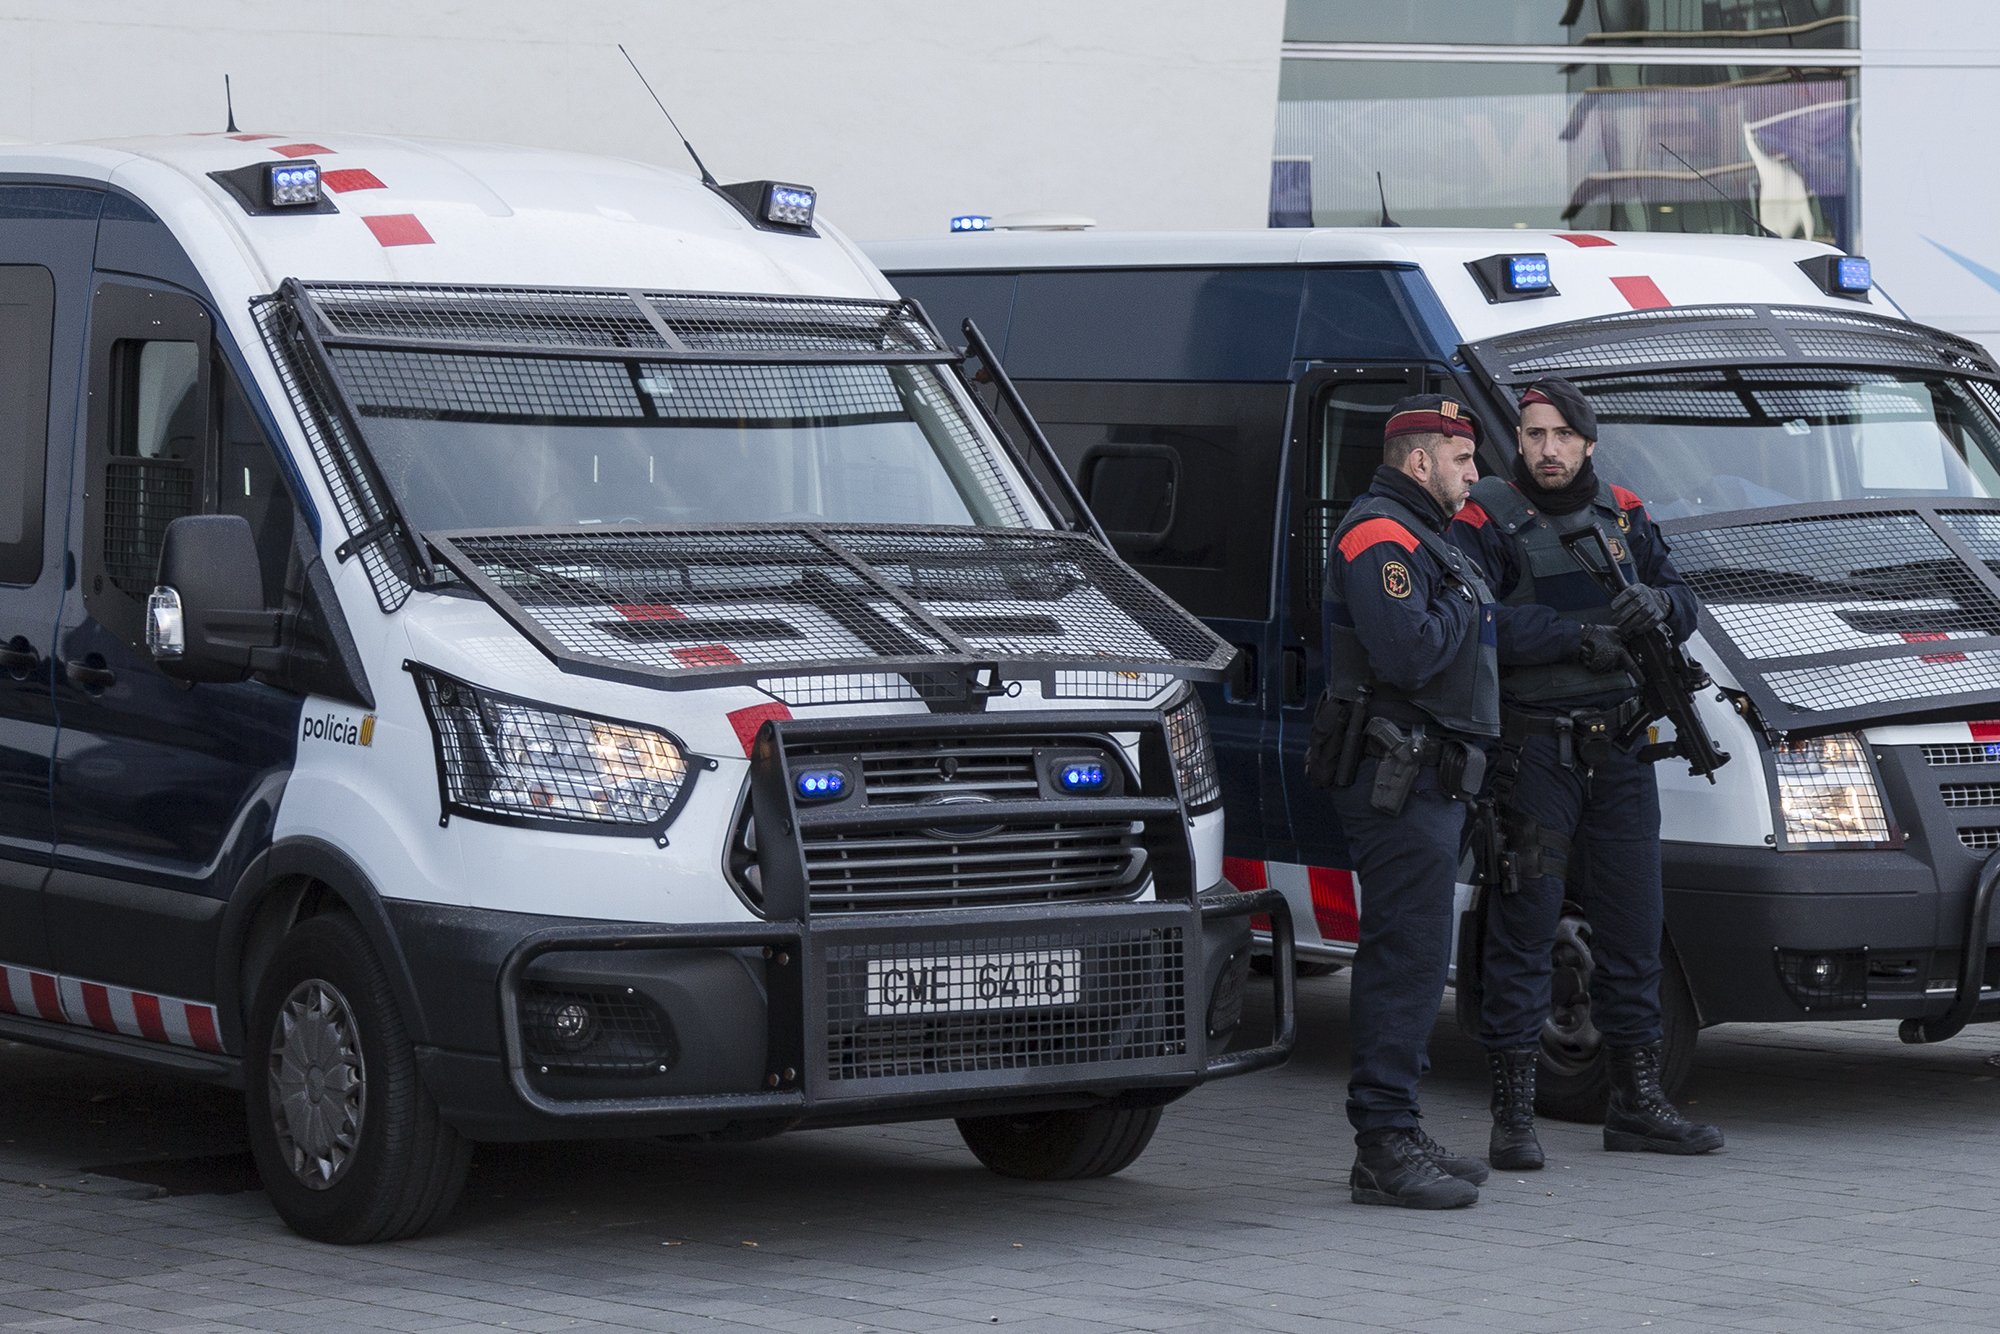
(1082, 776)
(1528, 273)
(292, 184)
(1852, 273)
(821, 784)
(789, 205)
(972, 222)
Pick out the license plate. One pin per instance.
(1017, 980)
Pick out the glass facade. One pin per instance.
(1502, 137)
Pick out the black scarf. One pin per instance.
(1399, 485)
(1580, 491)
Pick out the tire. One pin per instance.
(349, 1145)
(1061, 1146)
(1573, 1081)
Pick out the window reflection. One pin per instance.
(1762, 23)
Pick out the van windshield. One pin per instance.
(1706, 442)
(557, 443)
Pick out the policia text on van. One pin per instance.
(504, 645)
(1828, 476)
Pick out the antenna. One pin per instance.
(1383, 195)
(706, 179)
(229, 105)
(1748, 216)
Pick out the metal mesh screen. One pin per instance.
(983, 1006)
(626, 321)
(141, 497)
(1194, 754)
(1844, 612)
(697, 605)
(1970, 794)
(1732, 336)
(594, 1030)
(1980, 838)
(338, 457)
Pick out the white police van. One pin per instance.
(504, 645)
(1828, 475)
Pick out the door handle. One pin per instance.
(1293, 685)
(90, 675)
(18, 658)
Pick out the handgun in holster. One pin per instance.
(1402, 758)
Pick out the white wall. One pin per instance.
(1140, 113)
(1930, 103)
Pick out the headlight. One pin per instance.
(1827, 792)
(513, 761)
(1194, 755)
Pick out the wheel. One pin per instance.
(1061, 1146)
(347, 1140)
(1573, 1082)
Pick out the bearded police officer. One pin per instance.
(1568, 687)
(1412, 701)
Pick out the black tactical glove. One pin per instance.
(1638, 608)
(1602, 651)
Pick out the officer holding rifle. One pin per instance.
(1574, 773)
(1412, 703)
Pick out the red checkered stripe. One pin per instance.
(33, 994)
(1336, 904)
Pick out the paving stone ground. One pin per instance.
(1860, 1190)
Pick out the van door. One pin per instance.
(163, 792)
(1336, 447)
(31, 590)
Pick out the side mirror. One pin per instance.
(206, 620)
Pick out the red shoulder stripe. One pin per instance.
(1626, 500)
(1472, 514)
(1368, 532)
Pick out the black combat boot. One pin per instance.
(1454, 1164)
(1640, 1118)
(1391, 1167)
(1513, 1146)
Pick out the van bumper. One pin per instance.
(539, 1028)
(1767, 936)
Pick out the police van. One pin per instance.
(503, 645)
(1828, 475)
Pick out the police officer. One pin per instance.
(1568, 685)
(1412, 700)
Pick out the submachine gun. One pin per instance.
(1668, 678)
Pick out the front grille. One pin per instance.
(1970, 794)
(1980, 838)
(1942, 756)
(1129, 1005)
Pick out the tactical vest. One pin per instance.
(1544, 561)
(1463, 697)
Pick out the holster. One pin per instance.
(1334, 748)
(1402, 755)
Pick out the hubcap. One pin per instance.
(1570, 1040)
(317, 1083)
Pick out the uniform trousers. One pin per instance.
(1613, 818)
(1408, 868)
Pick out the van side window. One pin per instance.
(1343, 449)
(1183, 477)
(27, 315)
(152, 474)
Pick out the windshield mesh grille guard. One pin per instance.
(1843, 613)
(723, 604)
(1685, 337)
(658, 326)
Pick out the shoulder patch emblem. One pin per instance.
(1624, 521)
(1396, 579)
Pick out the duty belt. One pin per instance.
(1588, 733)
(1432, 747)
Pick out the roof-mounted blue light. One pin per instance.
(821, 784)
(773, 205)
(972, 222)
(1848, 276)
(1528, 273)
(293, 184)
